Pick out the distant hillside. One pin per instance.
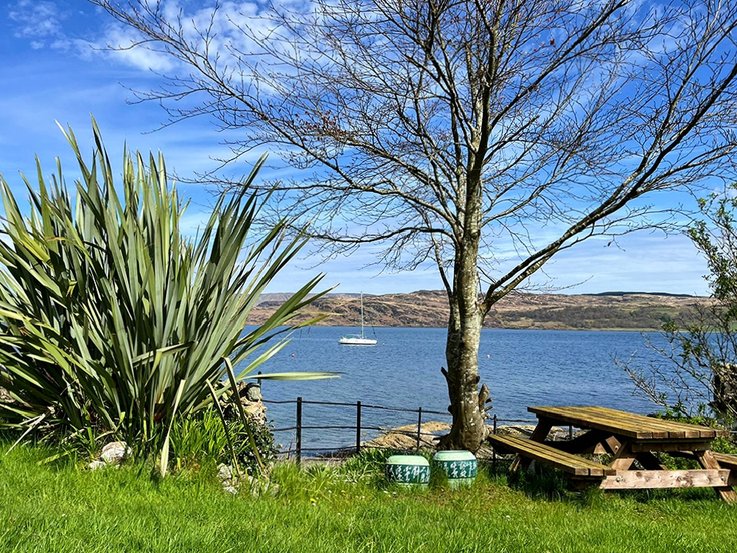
(610, 310)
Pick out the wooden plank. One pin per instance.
(585, 443)
(707, 460)
(674, 429)
(650, 461)
(658, 429)
(581, 419)
(643, 425)
(609, 446)
(612, 445)
(625, 424)
(649, 479)
(633, 420)
(670, 445)
(624, 458)
(550, 455)
(539, 434)
(725, 460)
(536, 451)
(542, 429)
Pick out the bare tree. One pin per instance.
(457, 131)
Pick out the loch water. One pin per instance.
(521, 368)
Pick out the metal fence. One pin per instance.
(356, 431)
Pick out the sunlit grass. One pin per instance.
(61, 508)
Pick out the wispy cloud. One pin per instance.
(39, 21)
(44, 25)
(121, 45)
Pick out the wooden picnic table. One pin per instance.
(630, 440)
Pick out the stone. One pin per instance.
(256, 412)
(404, 438)
(229, 481)
(115, 453)
(249, 394)
(229, 489)
(224, 472)
(253, 392)
(97, 464)
(5, 396)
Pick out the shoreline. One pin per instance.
(427, 309)
(515, 328)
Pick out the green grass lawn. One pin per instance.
(61, 508)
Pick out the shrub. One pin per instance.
(112, 319)
(204, 439)
(695, 374)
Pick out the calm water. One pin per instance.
(521, 367)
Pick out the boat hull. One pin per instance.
(349, 341)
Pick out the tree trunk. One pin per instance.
(464, 334)
(461, 352)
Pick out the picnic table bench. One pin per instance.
(630, 439)
(568, 462)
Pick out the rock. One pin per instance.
(256, 412)
(253, 392)
(97, 464)
(224, 472)
(405, 437)
(231, 483)
(115, 453)
(228, 479)
(5, 396)
(249, 394)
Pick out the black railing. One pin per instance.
(300, 448)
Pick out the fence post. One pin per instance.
(493, 449)
(419, 426)
(358, 427)
(299, 431)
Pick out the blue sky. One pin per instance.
(54, 69)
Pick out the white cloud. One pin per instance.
(36, 20)
(119, 43)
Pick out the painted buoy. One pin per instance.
(407, 470)
(459, 466)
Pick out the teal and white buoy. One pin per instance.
(459, 466)
(408, 470)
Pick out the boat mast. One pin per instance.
(361, 314)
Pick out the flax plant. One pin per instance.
(111, 319)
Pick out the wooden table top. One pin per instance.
(623, 423)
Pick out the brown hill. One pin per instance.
(518, 310)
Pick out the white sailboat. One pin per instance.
(357, 339)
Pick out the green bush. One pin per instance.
(203, 439)
(112, 321)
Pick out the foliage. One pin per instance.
(112, 319)
(698, 378)
(204, 440)
(722, 444)
(478, 137)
